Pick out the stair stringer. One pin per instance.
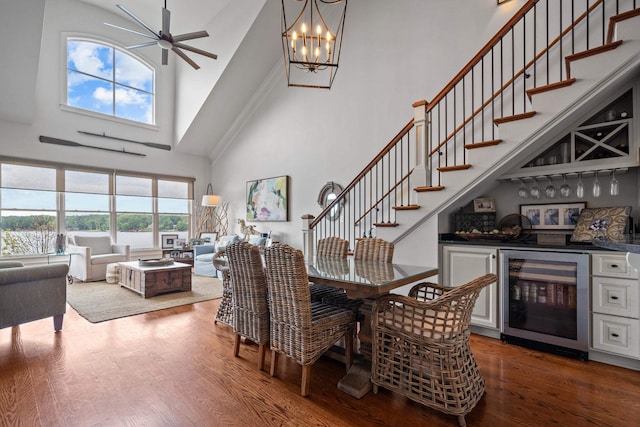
(596, 76)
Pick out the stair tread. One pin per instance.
(406, 207)
(515, 117)
(589, 52)
(385, 224)
(618, 18)
(429, 188)
(481, 144)
(550, 87)
(454, 168)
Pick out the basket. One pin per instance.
(518, 227)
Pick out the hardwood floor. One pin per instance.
(176, 368)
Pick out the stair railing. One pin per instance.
(491, 89)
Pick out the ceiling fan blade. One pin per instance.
(196, 50)
(166, 19)
(135, 18)
(132, 31)
(190, 36)
(136, 46)
(182, 55)
(165, 56)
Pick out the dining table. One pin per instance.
(366, 281)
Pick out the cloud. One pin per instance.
(90, 58)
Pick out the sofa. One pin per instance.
(203, 254)
(92, 255)
(32, 293)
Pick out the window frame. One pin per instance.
(65, 37)
(61, 211)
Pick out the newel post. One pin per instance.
(307, 237)
(421, 173)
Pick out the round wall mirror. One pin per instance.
(327, 195)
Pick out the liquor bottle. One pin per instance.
(542, 294)
(533, 292)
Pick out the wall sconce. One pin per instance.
(502, 1)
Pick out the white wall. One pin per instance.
(393, 54)
(21, 140)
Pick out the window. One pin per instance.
(134, 210)
(86, 202)
(29, 209)
(173, 208)
(105, 79)
(39, 200)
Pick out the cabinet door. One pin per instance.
(461, 264)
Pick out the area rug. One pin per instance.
(100, 301)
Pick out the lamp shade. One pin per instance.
(210, 200)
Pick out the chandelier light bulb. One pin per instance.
(303, 29)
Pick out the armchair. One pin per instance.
(93, 255)
(421, 346)
(32, 293)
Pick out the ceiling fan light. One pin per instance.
(165, 44)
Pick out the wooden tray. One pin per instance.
(155, 262)
(487, 237)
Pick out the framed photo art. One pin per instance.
(484, 204)
(559, 216)
(268, 199)
(168, 240)
(208, 237)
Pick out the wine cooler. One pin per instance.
(546, 301)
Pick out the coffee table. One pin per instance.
(154, 280)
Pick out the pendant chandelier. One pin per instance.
(311, 41)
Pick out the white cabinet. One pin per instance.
(615, 305)
(461, 264)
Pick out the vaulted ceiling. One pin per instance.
(208, 103)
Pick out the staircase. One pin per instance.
(497, 111)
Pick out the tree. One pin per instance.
(39, 237)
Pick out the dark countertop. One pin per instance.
(630, 244)
(529, 243)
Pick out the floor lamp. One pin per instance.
(212, 214)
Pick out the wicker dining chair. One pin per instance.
(421, 346)
(300, 329)
(249, 297)
(224, 314)
(329, 248)
(373, 249)
(333, 247)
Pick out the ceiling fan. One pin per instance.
(165, 39)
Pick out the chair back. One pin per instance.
(374, 250)
(288, 285)
(445, 317)
(99, 245)
(332, 246)
(249, 291)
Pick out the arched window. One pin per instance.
(106, 79)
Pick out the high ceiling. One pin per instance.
(186, 15)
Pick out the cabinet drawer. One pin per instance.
(612, 265)
(618, 335)
(618, 297)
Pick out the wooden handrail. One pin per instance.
(486, 49)
(364, 171)
(515, 76)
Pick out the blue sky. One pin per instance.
(90, 72)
